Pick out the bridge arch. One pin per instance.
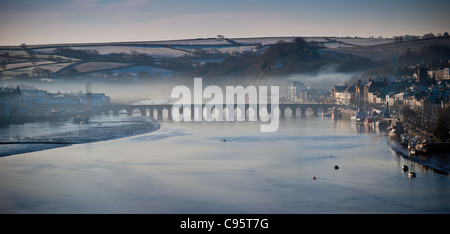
(122, 112)
(135, 112)
(195, 113)
(239, 114)
(166, 113)
(154, 113)
(187, 112)
(312, 111)
(287, 112)
(297, 111)
(251, 113)
(226, 113)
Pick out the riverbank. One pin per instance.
(431, 161)
(437, 158)
(31, 137)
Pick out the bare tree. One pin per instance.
(4, 65)
(33, 59)
(428, 36)
(24, 46)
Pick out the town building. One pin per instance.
(342, 94)
(439, 74)
(297, 91)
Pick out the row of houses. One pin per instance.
(29, 102)
(428, 91)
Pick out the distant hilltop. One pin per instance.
(331, 42)
(172, 58)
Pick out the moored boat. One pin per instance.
(405, 168)
(327, 114)
(412, 151)
(391, 132)
(411, 174)
(81, 118)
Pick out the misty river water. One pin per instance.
(187, 167)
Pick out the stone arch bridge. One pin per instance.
(156, 111)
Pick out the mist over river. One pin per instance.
(224, 167)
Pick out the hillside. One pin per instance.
(204, 56)
(284, 58)
(387, 51)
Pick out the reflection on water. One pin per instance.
(224, 167)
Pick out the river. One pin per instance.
(187, 167)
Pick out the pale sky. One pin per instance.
(70, 21)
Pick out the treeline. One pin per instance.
(94, 55)
(436, 55)
(84, 54)
(282, 58)
(414, 37)
(133, 56)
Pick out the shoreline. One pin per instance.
(436, 166)
(94, 133)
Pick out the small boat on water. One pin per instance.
(412, 147)
(81, 119)
(391, 132)
(405, 168)
(411, 172)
